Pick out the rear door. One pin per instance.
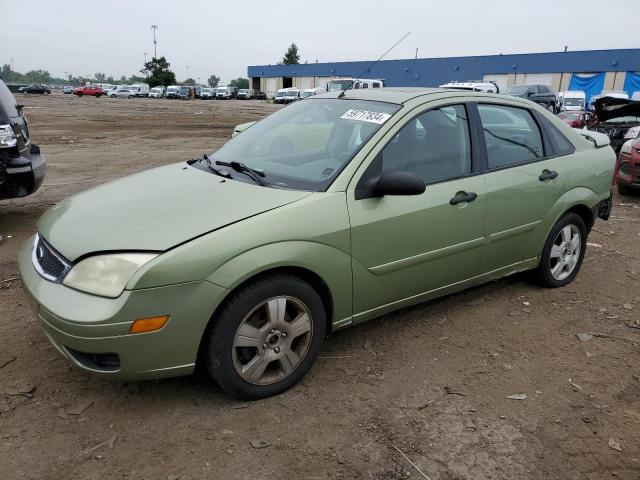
(524, 183)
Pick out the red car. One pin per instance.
(627, 175)
(576, 118)
(88, 90)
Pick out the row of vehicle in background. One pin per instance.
(473, 86)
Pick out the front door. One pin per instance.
(406, 246)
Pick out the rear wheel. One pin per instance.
(563, 252)
(113, 96)
(98, 95)
(266, 337)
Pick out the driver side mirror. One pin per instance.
(393, 182)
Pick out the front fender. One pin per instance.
(332, 265)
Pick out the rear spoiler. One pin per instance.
(599, 139)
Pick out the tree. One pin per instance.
(213, 81)
(190, 81)
(240, 83)
(158, 73)
(100, 77)
(292, 57)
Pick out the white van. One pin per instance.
(339, 84)
(280, 96)
(473, 86)
(573, 100)
(245, 94)
(157, 92)
(310, 92)
(141, 89)
(224, 93)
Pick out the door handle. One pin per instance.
(547, 175)
(462, 197)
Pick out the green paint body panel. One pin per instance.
(373, 255)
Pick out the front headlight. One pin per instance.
(7, 137)
(632, 132)
(106, 275)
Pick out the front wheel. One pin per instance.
(98, 95)
(113, 96)
(563, 252)
(266, 337)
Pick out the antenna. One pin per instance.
(373, 64)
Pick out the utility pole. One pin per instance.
(187, 71)
(154, 28)
(416, 53)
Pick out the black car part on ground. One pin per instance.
(22, 167)
(610, 108)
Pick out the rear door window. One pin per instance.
(511, 135)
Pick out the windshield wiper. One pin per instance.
(207, 163)
(252, 173)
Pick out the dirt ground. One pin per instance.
(426, 385)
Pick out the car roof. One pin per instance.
(398, 95)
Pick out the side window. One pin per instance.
(376, 85)
(365, 85)
(434, 145)
(511, 135)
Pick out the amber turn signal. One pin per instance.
(146, 325)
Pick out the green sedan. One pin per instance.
(334, 210)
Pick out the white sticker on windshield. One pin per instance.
(366, 116)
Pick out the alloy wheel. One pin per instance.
(272, 340)
(565, 252)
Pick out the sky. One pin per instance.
(200, 38)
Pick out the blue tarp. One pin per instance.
(632, 83)
(591, 85)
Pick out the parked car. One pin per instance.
(627, 177)
(318, 232)
(207, 93)
(172, 91)
(245, 94)
(573, 100)
(157, 92)
(280, 96)
(140, 89)
(541, 94)
(185, 92)
(260, 95)
(90, 90)
(292, 94)
(339, 84)
(310, 92)
(576, 118)
(67, 89)
(225, 93)
(473, 85)
(618, 118)
(22, 166)
(123, 93)
(35, 89)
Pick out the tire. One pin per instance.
(98, 95)
(280, 356)
(113, 96)
(129, 96)
(80, 94)
(558, 251)
(625, 190)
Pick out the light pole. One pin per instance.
(187, 72)
(12, 64)
(145, 58)
(154, 28)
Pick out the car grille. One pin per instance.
(49, 263)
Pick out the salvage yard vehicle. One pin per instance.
(90, 90)
(473, 85)
(140, 89)
(337, 209)
(541, 94)
(157, 92)
(67, 89)
(35, 89)
(576, 118)
(225, 93)
(22, 167)
(618, 118)
(627, 177)
(123, 93)
(245, 94)
(280, 96)
(573, 100)
(172, 91)
(292, 94)
(207, 93)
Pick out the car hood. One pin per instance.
(154, 211)
(607, 108)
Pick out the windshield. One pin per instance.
(516, 90)
(339, 85)
(172, 89)
(280, 94)
(222, 89)
(244, 90)
(292, 93)
(156, 89)
(574, 102)
(305, 145)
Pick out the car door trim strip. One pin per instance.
(511, 232)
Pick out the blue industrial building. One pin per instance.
(553, 68)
